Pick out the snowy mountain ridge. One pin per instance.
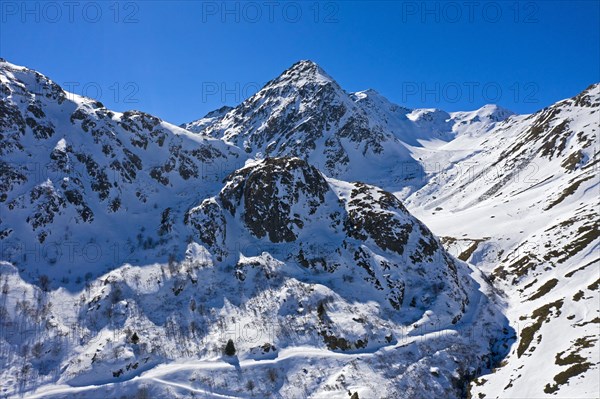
(529, 214)
(253, 226)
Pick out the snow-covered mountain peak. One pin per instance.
(376, 102)
(304, 72)
(368, 93)
(480, 120)
(301, 85)
(590, 97)
(359, 95)
(7, 66)
(489, 112)
(19, 80)
(428, 115)
(304, 113)
(494, 112)
(304, 80)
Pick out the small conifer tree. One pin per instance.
(230, 348)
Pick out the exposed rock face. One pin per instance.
(209, 222)
(286, 200)
(70, 165)
(271, 192)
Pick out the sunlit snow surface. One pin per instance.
(130, 255)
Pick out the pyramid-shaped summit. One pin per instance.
(305, 113)
(304, 71)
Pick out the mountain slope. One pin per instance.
(305, 113)
(357, 136)
(128, 267)
(527, 198)
(72, 170)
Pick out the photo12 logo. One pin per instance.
(67, 252)
(326, 12)
(470, 92)
(117, 92)
(451, 12)
(228, 92)
(119, 12)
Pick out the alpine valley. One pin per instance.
(345, 246)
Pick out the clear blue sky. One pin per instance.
(179, 60)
